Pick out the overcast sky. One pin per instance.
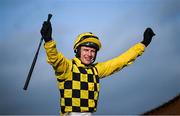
(151, 80)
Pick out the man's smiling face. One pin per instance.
(87, 55)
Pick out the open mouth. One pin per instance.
(88, 59)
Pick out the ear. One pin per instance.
(78, 52)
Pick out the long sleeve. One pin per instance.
(111, 66)
(60, 64)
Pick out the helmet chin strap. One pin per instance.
(94, 59)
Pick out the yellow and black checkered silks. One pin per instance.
(80, 93)
(79, 84)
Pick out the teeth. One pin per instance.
(88, 59)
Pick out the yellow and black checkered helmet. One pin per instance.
(87, 39)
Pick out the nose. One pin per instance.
(89, 53)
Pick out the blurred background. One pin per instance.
(153, 79)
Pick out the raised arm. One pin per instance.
(60, 64)
(111, 66)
